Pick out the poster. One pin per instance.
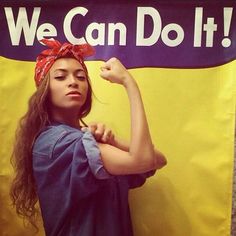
(182, 55)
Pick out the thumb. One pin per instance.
(105, 73)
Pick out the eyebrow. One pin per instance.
(64, 70)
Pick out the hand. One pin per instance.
(101, 133)
(114, 71)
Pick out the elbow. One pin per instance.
(150, 161)
(156, 161)
(160, 160)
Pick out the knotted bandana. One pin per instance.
(57, 50)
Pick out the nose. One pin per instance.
(73, 82)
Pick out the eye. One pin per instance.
(59, 77)
(81, 77)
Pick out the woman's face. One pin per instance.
(68, 85)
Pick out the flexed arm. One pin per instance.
(140, 156)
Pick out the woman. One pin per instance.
(82, 185)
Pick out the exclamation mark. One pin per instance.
(228, 11)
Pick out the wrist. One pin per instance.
(128, 80)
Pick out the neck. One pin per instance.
(66, 117)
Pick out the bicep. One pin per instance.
(120, 162)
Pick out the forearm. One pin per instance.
(140, 144)
(139, 156)
(121, 144)
(125, 146)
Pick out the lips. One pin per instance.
(74, 93)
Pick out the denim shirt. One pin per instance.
(77, 196)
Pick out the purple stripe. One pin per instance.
(171, 30)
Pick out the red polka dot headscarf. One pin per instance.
(57, 50)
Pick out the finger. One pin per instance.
(111, 139)
(92, 127)
(105, 67)
(106, 136)
(106, 75)
(108, 64)
(99, 131)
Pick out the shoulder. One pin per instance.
(59, 128)
(53, 134)
(61, 147)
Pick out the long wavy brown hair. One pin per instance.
(23, 189)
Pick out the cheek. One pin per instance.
(85, 88)
(54, 96)
(51, 92)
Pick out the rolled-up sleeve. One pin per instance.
(94, 157)
(68, 159)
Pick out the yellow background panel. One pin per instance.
(191, 119)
